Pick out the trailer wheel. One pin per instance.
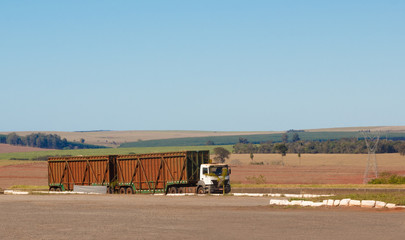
(123, 190)
(52, 189)
(58, 189)
(180, 190)
(172, 190)
(200, 190)
(129, 191)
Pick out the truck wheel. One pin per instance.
(180, 190)
(172, 190)
(227, 188)
(58, 189)
(52, 189)
(122, 190)
(110, 190)
(129, 191)
(200, 190)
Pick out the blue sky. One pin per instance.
(201, 65)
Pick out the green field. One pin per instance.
(260, 138)
(103, 151)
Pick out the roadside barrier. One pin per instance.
(335, 203)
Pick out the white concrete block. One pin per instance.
(344, 202)
(20, 193)
(8, 192)
(367, 203)
(239, 194)
(355, 203)
(177, 194)
(379, 204)
(296, 202)
(293, 195)
(255, 194)
(284, 202)
(307, 203)
(318, 204)
(275, 201)
(330, 202)
(336, 203)
(325, 202)
(274, 195)
(390, 205)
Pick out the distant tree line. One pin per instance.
(344, 145)
(40, 140)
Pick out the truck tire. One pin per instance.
(52, 189)
(227, 188)
(129, 191)
(200, 190)
(180, 190)
(123, 190)
(172, 190)
(110, 190)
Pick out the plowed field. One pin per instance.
(312, 169)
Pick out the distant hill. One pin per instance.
(116, 138)
(256, 139)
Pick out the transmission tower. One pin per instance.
(371, 140)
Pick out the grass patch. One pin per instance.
(388, 178)
(14, 162)
(102, 151)
(256, 180)
(29, 187)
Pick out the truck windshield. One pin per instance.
(217, 170)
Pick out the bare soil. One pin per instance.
(7, 148)
(24, 174)
(191, 217)
(312, 169)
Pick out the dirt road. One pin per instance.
(190, 217)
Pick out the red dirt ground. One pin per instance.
(316, 173)
(6, 148)
(24, 174)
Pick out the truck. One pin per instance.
(171, 172)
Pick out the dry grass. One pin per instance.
(14, 162)
(391, 160)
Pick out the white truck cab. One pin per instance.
(214, 178)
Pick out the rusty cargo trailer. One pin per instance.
(174, 172)
(65, 172)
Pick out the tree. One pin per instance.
(209, 142)
(284, 138)
(221, 154)
(13, 139)
(243, 140)
(295, 137)
(282, 149)
(401, 148)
